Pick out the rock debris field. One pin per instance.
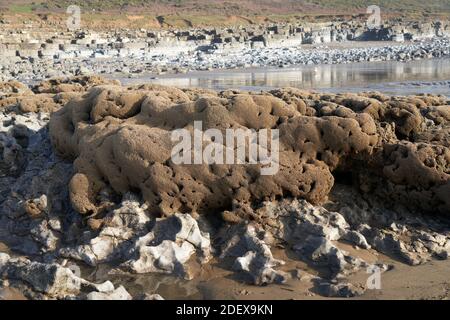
(87, 180)
(35, 52)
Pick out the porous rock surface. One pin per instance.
(121, 138)
(46, 96)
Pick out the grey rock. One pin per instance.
(356, 238)
(341, 290)
(4, 258)
(146, 296)
(118, 294)
(169, 246)
(253, 255)
(123, 224)
(322, 252)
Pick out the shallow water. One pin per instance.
(392, 77)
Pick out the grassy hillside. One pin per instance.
(253, 6)
(194, 13)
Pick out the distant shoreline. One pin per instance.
(142, 64)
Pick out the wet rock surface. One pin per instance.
(369, 144)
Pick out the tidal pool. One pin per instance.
(391, 77)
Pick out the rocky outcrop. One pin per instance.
(143, 214)
(318, 135)
(54, 280)
(190, 186)
(246, 244)
(70, 84)
(169, 246)
(40, 54)
(47, 96)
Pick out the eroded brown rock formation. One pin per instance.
(47, 96)
(120, 138)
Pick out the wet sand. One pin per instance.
(428, 281)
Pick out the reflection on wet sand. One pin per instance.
(424, 76)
